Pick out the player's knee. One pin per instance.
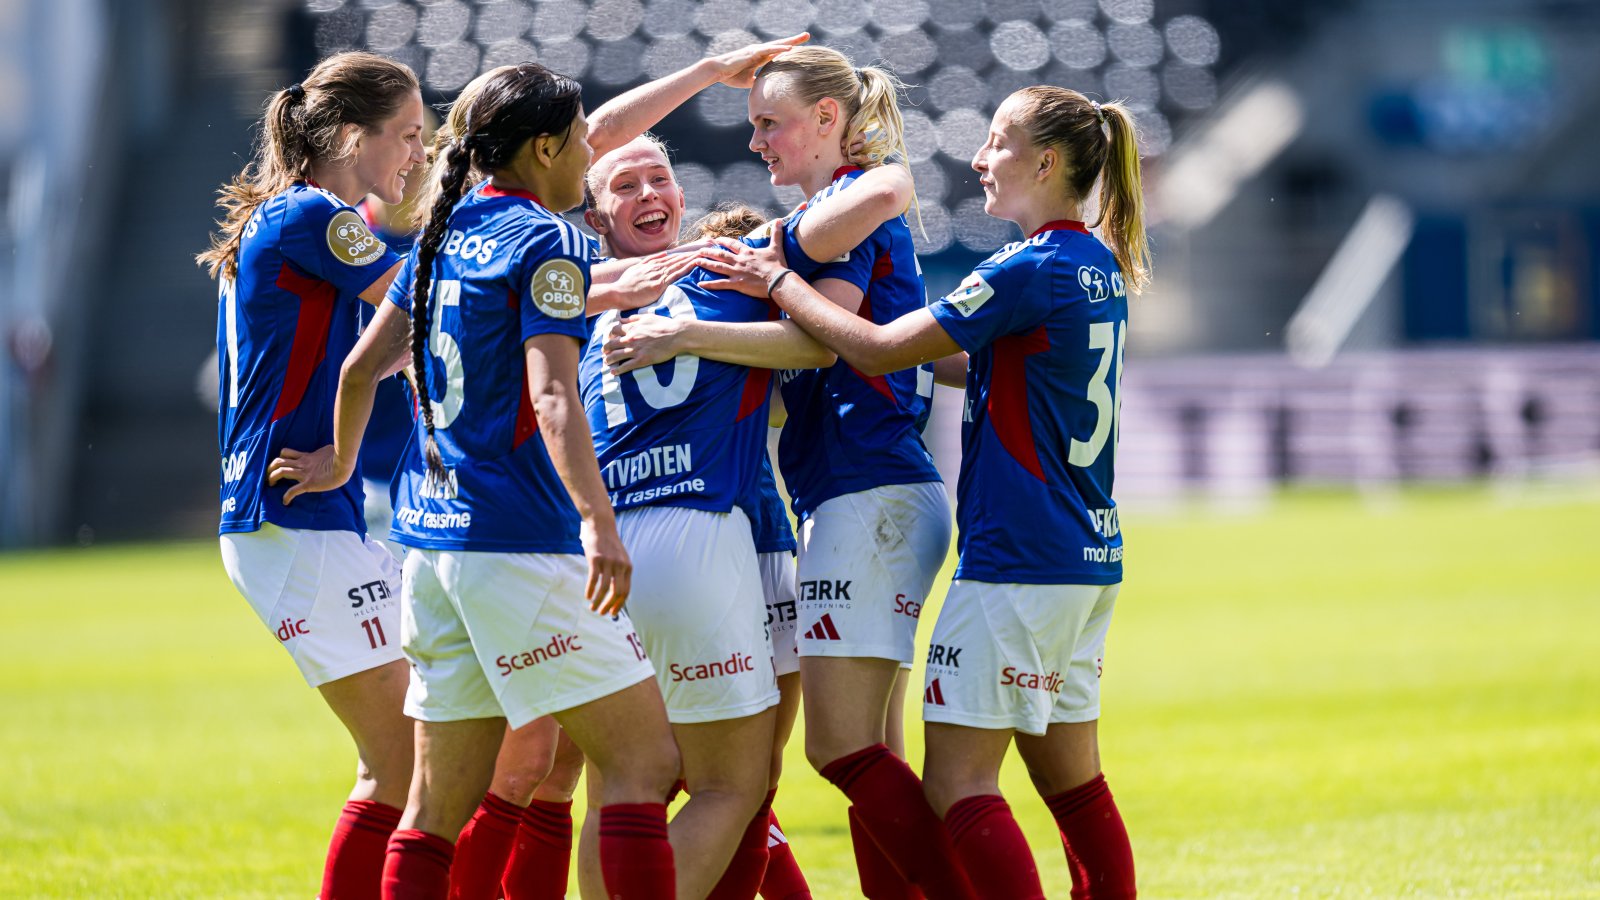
(644, 776)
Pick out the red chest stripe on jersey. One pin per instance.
(527, 422)
(882, 267)
(310, 335)
(1008, 396)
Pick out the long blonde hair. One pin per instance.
(304, 124)
(1098, 141)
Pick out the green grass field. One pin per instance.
(1323, 699)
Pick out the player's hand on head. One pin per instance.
(610, 569)
(642, 341)
(737, 68)
(311, 472)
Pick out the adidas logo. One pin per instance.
(775, 838)
(934, 694)
(823, 630)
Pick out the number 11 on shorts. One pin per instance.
(374, 629)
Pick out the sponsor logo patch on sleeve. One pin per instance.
(557, 289)
(351, 242)
(972, 293)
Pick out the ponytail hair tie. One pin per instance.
(860, 75)
(1098, 112)
(296, 92)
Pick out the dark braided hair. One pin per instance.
(513, 107)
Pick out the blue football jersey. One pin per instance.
(389, 427)
(769, 518)
(508, 270)
(1045, 321)
(284, 326)
(846, 431)
(688, 432)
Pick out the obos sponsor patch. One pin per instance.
(557, 289)
(351, 241)
(972, 293)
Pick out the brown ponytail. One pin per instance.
(1099, 143)
(303, 124)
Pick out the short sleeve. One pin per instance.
(997, 299)
(401, 289)
(553, 278)
(332, 242)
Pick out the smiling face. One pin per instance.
(387, 154)
(638, 204)
(798, 142)
(1009, 166)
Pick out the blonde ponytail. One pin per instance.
(1098, 142)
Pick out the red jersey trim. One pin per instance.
(843, 171)
(310, 344)
(1061, 225)
(527, 422)
(1008, 397)
(489, 190)
(882, 267)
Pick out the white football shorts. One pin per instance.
(866, 564)
(1020, 656)
(509, 634)
(777, 586)
(332, 598)
(698, 606)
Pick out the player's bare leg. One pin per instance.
(370, 705)
(847, 708)
(633, 762)
(455, 763)
(725, 774)
(1065, 767)
(894, 718)
(541, 856)
(961, 775)
(486, 842)
(525, 760)
(591, 885)
(788, 710)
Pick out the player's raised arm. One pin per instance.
(841, 221)
(632, 113)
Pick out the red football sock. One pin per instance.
(635, 858)
(888, 797)
(543, 853)
(784, 880)
(880, 880)
(483, 848)
(993, 849)
(1095, 840)
(354, 868)
(417, 866)
(742, 878)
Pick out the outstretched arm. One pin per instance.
(552, 361)
(648, 340)
(381, 352)
(913, 339)
(632, 113)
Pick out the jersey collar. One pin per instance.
(844, 170)
(1060, 225)
(489, 190)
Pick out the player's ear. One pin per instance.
(1049, 162)
(595, 222)
(827, 113)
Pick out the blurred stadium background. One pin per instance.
(1375, 221)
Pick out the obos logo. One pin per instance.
(351, 241)
(1093, 281)
(557, 289)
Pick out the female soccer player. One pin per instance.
(1018, 648)
(874, 521)
(293, 260)
(635, 206)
